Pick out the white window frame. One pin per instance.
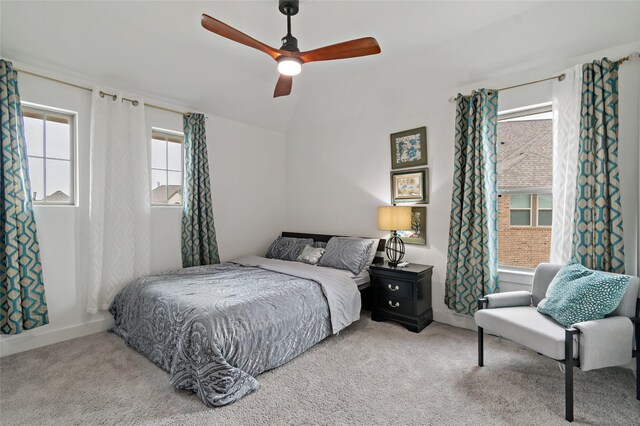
(72, 116)
(508, 114)
(166, 133)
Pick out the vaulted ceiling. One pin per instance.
(159, 49)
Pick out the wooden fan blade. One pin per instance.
(348, 49)
(283, 86)
(224, 30)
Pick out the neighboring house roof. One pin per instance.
(175, 194)
(525, 154)
(58, 197)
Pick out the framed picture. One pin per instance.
(418, 232)
(409, 148)
(410, 186)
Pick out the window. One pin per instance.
(525, 158)
(520, 210)
(166, 167)
(544, 209)
(50, 136)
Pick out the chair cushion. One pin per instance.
(527, 326)
(578, 294)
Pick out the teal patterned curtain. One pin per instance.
(597, 239)
(22, 300)
(199, 246)
(472, 258)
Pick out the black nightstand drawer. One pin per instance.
(395, 288)
(402, 294)
(395, 305)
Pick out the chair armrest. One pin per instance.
(606, 342)
(508, 299)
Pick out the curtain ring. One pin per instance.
(135, 103)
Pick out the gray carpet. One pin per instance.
(372, 373)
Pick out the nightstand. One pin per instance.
(402, 294)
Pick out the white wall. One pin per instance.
(247, 173)
(338, 156)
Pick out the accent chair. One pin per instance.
(587, 345)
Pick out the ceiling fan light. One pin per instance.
(289, 66)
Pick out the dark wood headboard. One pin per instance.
(325, 238)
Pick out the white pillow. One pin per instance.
(310, 255)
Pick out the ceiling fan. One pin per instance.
(289, 57)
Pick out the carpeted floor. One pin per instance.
(372, 373)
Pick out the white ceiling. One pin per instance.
(159, 49)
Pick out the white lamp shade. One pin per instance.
(394, 218)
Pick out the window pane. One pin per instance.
(175, 156)
(58, 137)
(521, 201)
(33, 128)
(520, 217)
(58, 181)
(175, 188)
(544, 217)
(158, 187)
(36, 174)
(158, 154)
(524, 167)
(544, 201)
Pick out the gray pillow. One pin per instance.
(310, 255)
(346, 253)
(372, 252)
(287, 248)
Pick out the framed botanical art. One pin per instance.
(410, 186)
(409, 148)
(418, 232)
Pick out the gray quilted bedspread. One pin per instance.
(214, 328)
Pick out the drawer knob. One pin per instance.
(396, 288)
(394, 305)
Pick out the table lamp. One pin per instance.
(394, 219)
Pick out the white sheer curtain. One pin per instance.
(566, 134)
(119, 207)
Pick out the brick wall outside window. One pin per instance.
(522, 246)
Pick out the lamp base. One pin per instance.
(394, 248)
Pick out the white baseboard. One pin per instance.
(37, 338)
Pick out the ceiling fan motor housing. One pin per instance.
(290, 43)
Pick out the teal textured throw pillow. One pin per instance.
(579, 294)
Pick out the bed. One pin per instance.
(215, 328)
